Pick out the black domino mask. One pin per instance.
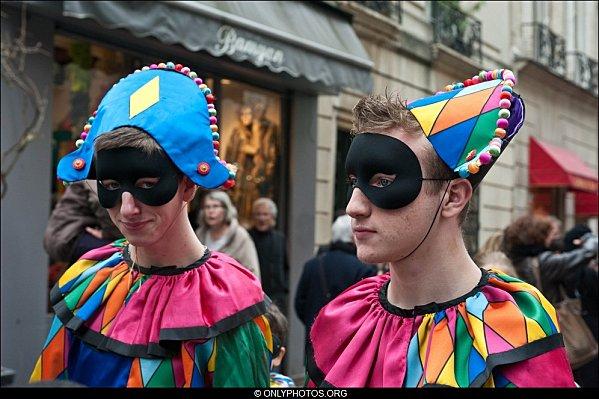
(372, 153)
(126, 166)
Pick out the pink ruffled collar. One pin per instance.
(143, 313)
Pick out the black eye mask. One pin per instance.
(126, 166)
(372, 153)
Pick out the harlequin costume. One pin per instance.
(118, 324)
(502, 333)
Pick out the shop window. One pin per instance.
(83, 73)
(251, 139)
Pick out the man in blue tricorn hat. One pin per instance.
(157, 308)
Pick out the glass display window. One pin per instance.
(251, 139)
(83, 72)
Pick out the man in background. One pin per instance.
(272, 251)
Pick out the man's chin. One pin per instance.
(138, 241)
(369, 255)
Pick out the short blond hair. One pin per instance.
(376, 113)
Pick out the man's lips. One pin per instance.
(362, 232)
(134, 225)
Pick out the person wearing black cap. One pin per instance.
(435, 319)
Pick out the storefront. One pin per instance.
(266, 66)
(561, 183)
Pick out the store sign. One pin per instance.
(232, 44)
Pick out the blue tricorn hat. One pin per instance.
(174, 106)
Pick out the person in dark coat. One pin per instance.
(272, 251)
(587, 287)
(78, 224)
(329, 273)
(530, 237)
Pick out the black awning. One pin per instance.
(298, 38)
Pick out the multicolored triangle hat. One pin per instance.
(172, 104)
(470, 123)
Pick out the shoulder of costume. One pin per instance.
(100, 258)
(356, 299)
(514, 320)
(503, 321)
(116, 308)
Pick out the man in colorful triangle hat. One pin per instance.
(158, 308)
(436, 319)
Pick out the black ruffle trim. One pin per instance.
(165, 270)
(512, 356)
(169, 344)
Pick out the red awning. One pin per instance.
(587, 204)
(552, 166)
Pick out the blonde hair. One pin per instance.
(498, 261)
(377, 113)
(490, 256)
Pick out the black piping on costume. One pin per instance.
(165, 270)
(519, 354)
(236, 319)
(512, 356)
(168, 345)
(315, 373)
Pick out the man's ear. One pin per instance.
(276, 362)
(189, 189)
(456, 198)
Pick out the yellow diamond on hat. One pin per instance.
(144, 97)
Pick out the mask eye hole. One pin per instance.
(110, 185)
(146, 182)
(382, 180)
(352, 181)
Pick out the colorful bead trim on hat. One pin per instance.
(172, 104)
(469, 123)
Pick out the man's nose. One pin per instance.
(129, 206)
(358, 206)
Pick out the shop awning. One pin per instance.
(586, 204)
(295, 37)
(552, 166)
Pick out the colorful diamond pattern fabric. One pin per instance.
(486, 325)
(460, 120)
(489, 337)
(101, 290)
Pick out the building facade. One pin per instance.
(287, 75)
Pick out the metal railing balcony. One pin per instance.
(548, 48)
(583, 70)
(456, 29)
(390, 9)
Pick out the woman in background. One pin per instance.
(220, 231)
